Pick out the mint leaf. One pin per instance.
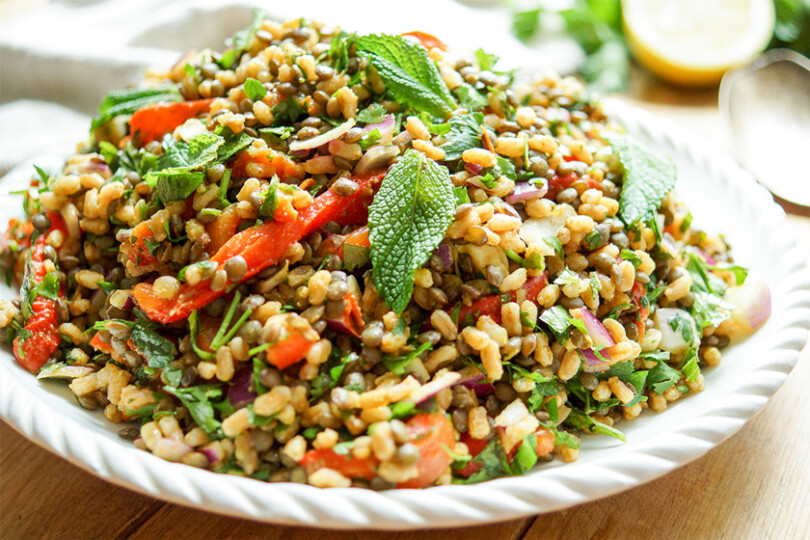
(254, 89)
(157, 350)
(709, 309)
(465, 133)
(175, 179)
(647, 178)
(408, 73)
(125, 102)
(407, 220)
(233, 144)
(287, 112)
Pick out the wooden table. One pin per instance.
(756, 485)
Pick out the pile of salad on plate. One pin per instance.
(363, 260)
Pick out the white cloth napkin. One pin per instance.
(68, 54)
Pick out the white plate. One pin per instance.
(721, 196)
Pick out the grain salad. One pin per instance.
(365, 260)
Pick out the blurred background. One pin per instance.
(734, 71)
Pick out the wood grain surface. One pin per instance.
(756, 485)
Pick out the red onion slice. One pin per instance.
(444, 253)
(240, 394)
(592, 362)
(386, 128)
(323, 138)
(526, 191)
(596, 330)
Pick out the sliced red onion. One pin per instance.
(477, 384)
(129, 304)
(444, 253)
(752, 304)
(706, 257)
(596, 330)
(592, 362)
(324, 138)
(240, 394)
(427, 391)
(526, 191)
(473, 168)
(213, 453)
(339, 325)
(386, 128)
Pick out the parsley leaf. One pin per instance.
(157, 350)
(557, 319)
(661, 377)
(485, 61)
(254, 89)
(465, 133)
(525, 23)
(288, 112)
(197, 399)
(373, 114)
(470, 98)
(647, 178)
(407, 220)
(408, 73)
(397, 364)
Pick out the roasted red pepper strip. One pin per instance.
(428, 41)
(139, 253)
(432, 434)
(289, 350)
(491, 303)
(346, 464)
(151, 122)
(261, 246)
(40, 335)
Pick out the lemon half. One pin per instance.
(693, 42)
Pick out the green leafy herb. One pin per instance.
(370, 139)
(661, 377)
(338, 53)
(48, 287)
(157, 350)
(554, 243)
(269, 200)
(690, 367)
(373, 114)
(709, 309)
(461, 194)
(288, 111)
(647, 179)
(594, 240)
(197, 399)
(525, 23)
(470, 98)
(240, 40)
(485, 61)
(233, 144)
(740, 273)
(579, 420)
(397, 364)
(407, 220)
(126, 102)
(557, 319)
(278, 133)
(408, 73)
(254, 89)
(631, 256)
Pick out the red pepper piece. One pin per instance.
(42, 326)
(261, 246)
(491, 303)
(289, 350)
(139, 253)
(474, 447)
(432, 434)
(347, 465)
(278, 165)
(151, 122)
(428, 41)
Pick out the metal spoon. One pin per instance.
(766, 106)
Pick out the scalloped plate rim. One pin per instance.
(450, 506)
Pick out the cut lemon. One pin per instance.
(693, 42)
